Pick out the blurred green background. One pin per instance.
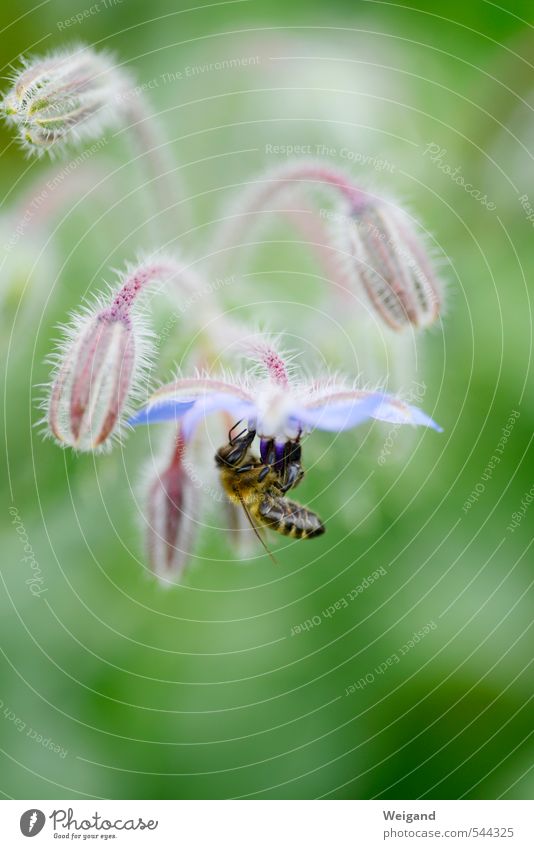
(201, 691)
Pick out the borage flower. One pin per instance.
(275, 412)
(277, 405)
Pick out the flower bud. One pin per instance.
(393, 265)
(97, 369)
(68, 95)
(171, 515)
(93, 381)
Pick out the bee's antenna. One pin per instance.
(231, 438)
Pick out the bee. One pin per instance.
(259, 484)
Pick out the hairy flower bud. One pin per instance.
(66, 96)
(93, 382)
(393, 265)
(97, 368)
(392, 262)
(171, 515)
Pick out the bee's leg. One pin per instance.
(293, 476)
(248, 468)
(263, 474)
(292, 471)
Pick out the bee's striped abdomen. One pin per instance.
(289, 518)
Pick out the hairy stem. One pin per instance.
(166, 188)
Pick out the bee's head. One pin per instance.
(221, 457)
(233, 453)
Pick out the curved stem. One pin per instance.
(255, 199)
(213, 327)
(136, 281)
(167, 189)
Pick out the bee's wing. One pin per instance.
(287, 516)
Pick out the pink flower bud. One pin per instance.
(93, 382)
(68, 95)
(393, 265)
(171, 514)
(391, 260)
(97, 369)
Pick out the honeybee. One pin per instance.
(259, 485)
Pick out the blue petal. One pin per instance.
(218, 402)
(339, 415)
(390, 412)
(161, 412)
(193, 411)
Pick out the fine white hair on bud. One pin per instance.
(100, 362)
(171, 513)
(66, 96)
(388, 255)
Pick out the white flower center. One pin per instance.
(275, 405)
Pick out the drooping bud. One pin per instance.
(391, 259)
(171, 515)
(393, 265)
(66, 96)
(93, 382)
(96, 370)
